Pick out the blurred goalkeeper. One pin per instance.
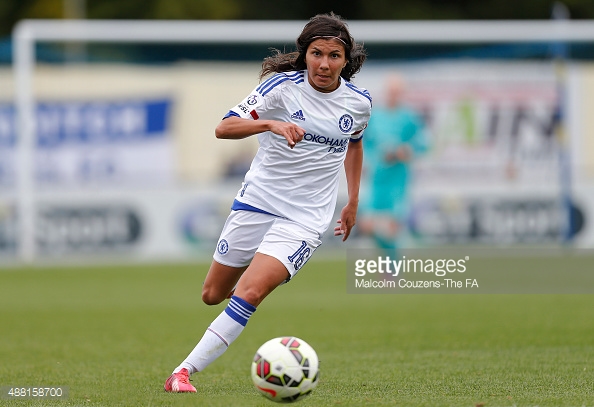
(395, 137)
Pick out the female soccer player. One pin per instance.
(309, 119)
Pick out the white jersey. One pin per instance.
(301, 184)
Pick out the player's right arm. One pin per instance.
(234, 127)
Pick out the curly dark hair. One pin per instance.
(321, 25)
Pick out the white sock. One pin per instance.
(219, 335)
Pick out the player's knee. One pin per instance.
(211, 297)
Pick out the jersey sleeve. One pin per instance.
(357, 134)
(363, 111)
(257, 103)
(248, 107)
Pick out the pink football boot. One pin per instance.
(179, 383)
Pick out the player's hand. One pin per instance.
(401, 154)
(290, 131)
(348, 217)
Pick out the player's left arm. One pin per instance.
(353, 164)
(420, 142)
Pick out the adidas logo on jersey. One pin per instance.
(298, 115)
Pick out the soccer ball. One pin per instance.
(285, 369)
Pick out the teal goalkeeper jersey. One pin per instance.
(387, 182)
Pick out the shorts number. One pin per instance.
(300, 256)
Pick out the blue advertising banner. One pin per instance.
(93, 141)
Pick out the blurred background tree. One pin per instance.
(13, 10)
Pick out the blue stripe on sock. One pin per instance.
(246, 305)
(240, 310)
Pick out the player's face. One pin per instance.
(325, 59)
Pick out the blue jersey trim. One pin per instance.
(240, 206)
(277, 79)
(356, 140)
(230, 113)
(363, 92)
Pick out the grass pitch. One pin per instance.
(113, 335)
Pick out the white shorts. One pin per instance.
(248, 232)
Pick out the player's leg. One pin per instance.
(285, 248)
(383, 229)
(383, 220)
(398, 215)
(264, 274)
(385, 234)
(239, 240)
(372, 220)
(280, 255)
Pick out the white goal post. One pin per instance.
(29, 32)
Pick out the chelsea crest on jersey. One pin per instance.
(301, 184)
